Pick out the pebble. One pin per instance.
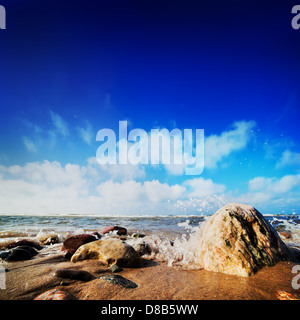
(55, 294)
(115, 268)
(74, 274)
(119, 280)
(120, 230)
(137, 235)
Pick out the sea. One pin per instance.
(173, 238)
(20, 226)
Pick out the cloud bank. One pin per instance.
(50, 188)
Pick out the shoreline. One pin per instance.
(155, 281)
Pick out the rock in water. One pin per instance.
(47, 237)
(238, 240)
(109, 251)
(120, 230)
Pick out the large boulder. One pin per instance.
(238, 240)
(109, 251)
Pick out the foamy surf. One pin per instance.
(174, 240)
(182, 252)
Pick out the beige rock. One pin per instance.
(109, 251)
(238, 240)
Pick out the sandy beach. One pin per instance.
(155, 281)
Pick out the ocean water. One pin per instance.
(173, 239)
(30, 226)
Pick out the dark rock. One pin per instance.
(97, 234)
(296, 251)
(286, 234)
(71, 244)
(137, 235)
(4, 254)
(25, 242)
(120, 230)
(74, 274)
(119, 280)
(115, 268)
(142, 248)
(18, 253)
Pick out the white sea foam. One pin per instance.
(183, 252)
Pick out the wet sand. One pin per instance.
(156, 281)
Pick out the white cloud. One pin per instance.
(217, 147)
(274, 185)
(202, 188)
(48, 187)
(119, 172)
(271, 194)
(288, 158)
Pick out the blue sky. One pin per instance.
(69, 69)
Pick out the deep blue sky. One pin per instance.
(184, 64)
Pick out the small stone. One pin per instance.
(119, 280)
(115, 268)
(47, 237)
(55, 294)
(285, 234)
(120, 230)
(137, 235)
(74, 274)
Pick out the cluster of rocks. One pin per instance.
(236, 240)
(20, 250)
(25, 249)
